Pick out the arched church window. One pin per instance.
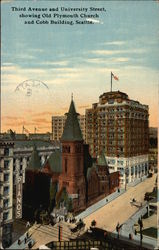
(66, 149)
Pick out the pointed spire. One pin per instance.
(101, 160)
(72, 131)
(34, 163)
(34, 147)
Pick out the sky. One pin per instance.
(43, 64)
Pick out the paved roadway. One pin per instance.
(120, 209)
(43, 234)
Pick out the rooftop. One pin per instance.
(55, 161)
(72, 131)
(34, 162)
(31, 143)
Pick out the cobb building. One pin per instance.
(120, 127)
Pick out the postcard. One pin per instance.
(79, 112)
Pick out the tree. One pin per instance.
(53, 191)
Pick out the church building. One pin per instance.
(78, 180)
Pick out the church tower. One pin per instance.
(72, 177)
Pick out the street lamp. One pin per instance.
(141, 226)
(148, 209)
(126, 175)
(118, 227)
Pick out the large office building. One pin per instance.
(119, 126)
(58, 123)
(22, 154)
(6, 193)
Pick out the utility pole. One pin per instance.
(117, 229)
(59, 233)
(141, 226)
(125, 179)
(148, 209)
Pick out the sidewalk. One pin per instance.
(128, 228)
(23, 245)
(136, 240)
(100, 204)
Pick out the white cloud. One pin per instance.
(36, 71)
(108, 60)
(9, 68)
(65, 69)
(36, 50)
(16, 69)
(58, 63)
(121, 59)
(115, 43)
(6, 1)
(20, 56)
(7, 64)
(57, 81)
(115, 52)
(95, 60)
(25, 56)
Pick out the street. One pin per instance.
(120, 209)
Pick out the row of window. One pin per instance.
(5, 215)
(6, 177)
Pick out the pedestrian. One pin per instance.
(25, 240)
(105, 234)
(19, 242)
(29, 244)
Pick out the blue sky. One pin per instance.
(78, 59)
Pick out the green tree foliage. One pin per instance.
(62, 196)
(53, 191)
